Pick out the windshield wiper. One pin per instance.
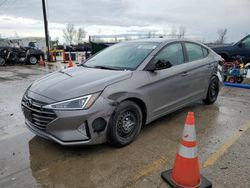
(61, 71)
(106, 67)
(101, 67)
(83, 65)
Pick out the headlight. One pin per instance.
(78, 103)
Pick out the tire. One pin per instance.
(2, 61)
(239, 79)
(33, 60)
(125, 124)
(213, 91)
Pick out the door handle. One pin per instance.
(184, 73)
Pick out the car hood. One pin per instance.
(75, 82)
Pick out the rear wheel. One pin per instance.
(33, 60)
(213, 91)
(125, 124)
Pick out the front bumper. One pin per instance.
(73, 127)
(48, 136)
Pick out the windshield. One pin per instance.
(126, 55)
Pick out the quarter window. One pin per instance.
(194, 51)
(172, 53)
(205, 52)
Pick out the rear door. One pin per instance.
(200, 68)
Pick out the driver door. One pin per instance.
(167, 86)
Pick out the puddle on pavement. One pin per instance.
(105, 166)
(12, 72)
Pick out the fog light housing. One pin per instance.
(99, 124)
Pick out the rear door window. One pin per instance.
(194, 51)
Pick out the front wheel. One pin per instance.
(213, 91)
(125, 124)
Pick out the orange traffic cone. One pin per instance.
(70, 62)
(41, 61)
(186, 173)
(51, 57)
(64, 57)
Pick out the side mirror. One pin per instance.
(159, 65)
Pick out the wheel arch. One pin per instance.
(141, 105)
(217, 76)
(137, 98)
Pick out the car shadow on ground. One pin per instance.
(43, 149)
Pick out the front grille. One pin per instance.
(38, 116)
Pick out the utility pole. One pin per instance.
(46, 30)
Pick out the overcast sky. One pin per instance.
(202, 18)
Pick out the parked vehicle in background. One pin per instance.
(232, 53)
(116, 91)
(13, 55)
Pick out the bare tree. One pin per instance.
(182, 32)
(69, 33)
(56, 41)
(222, 36)
(80, 35)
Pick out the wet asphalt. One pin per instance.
(26, 160)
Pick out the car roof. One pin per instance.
(166, 40)
(157, 40)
